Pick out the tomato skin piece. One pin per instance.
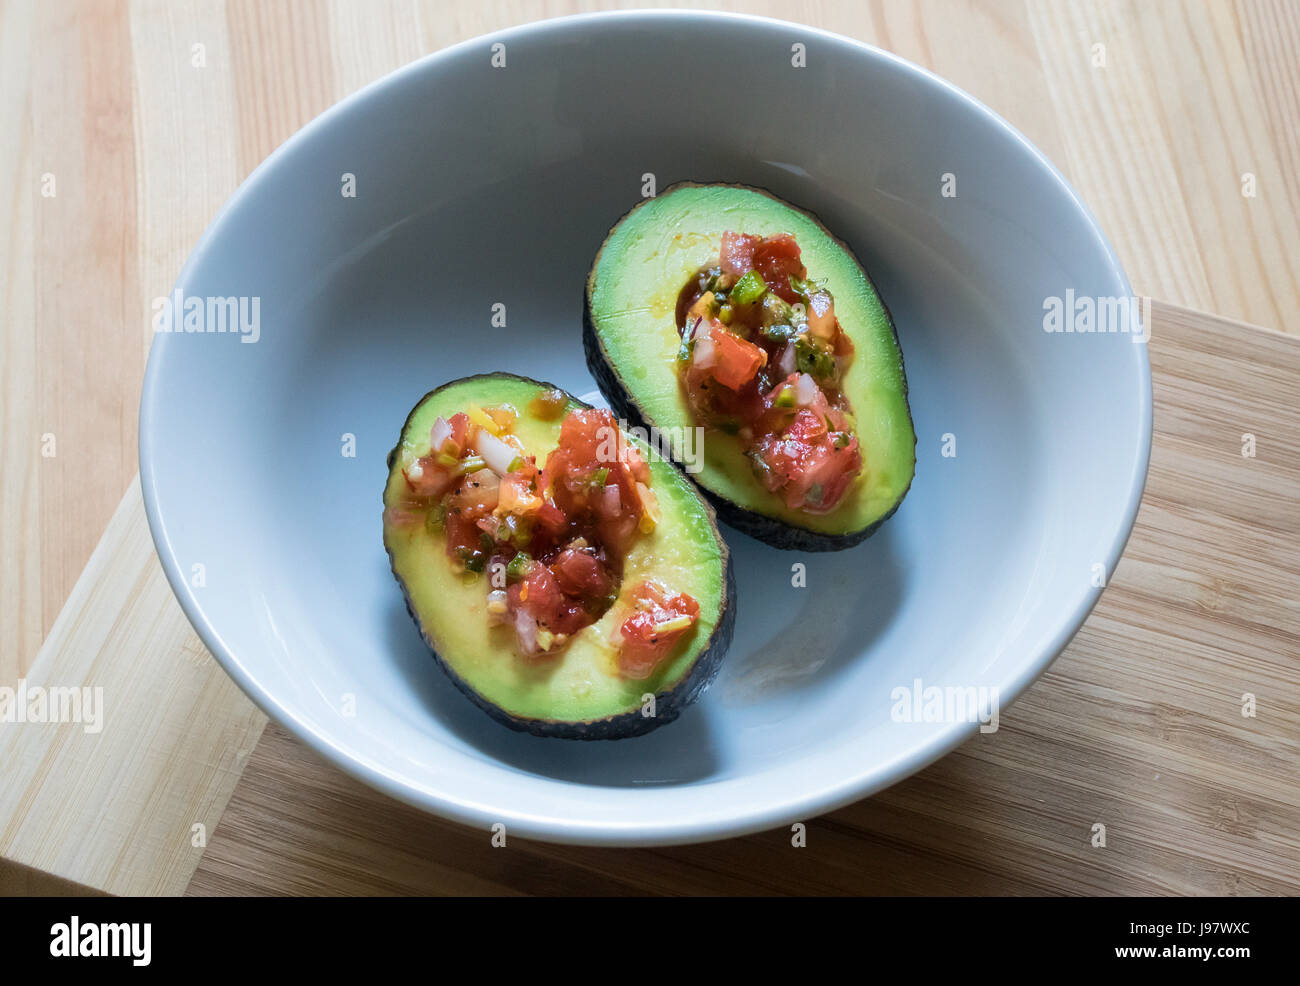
(715, 404)
(642, 648)
(539, 594)
(803, 457)
(582, 575)
(590, 441)
(472, 499)
(737, 255)
(833, 470)
(460, 426)
(777, 259)
(738, 360)
(552, 519)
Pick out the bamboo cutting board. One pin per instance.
(1138, 727)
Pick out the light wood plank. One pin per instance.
(88, 304)
(1270, 38)
(21, 420)
(114, 807)
(185, 107)
(1158, 140)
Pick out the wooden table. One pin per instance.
(127, 125)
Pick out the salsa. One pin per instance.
(763, 357)
(551, 540)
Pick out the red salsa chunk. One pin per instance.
(763, 357)
(551, 540)
(660, 618)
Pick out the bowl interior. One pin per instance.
(477, 185)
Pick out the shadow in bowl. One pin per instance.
(818, 618)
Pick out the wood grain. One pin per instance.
(1191, 97)
(23, 627)
(114, 804)
(145, 144)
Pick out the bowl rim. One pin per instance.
(855, 784)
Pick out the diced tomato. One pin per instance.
(540, 595)
(645, 640)
(551, 519)
(474, 498)
(715, 404)
(807, 464)
(462, 535)
(618, 514)
(807, 428)
(777, 258)
(587, 439)
(592, 476)
(738, 253)
(527, 468)
(737, 361)
(636, 465)
(831, 471)
(582, 575)
(460, 428)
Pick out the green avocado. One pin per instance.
(578, 692)
(631, 341)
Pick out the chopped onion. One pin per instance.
(786, 363)
(705, 353)
(805, 390)
(526, 629)
(439, 433)
(496, 453)
(496, 607)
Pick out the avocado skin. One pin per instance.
(668, 704)
(769, 530)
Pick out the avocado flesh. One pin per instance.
(577, 692)
(632, 341)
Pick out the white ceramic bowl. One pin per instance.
(478, 184)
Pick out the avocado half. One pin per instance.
(631, 341)
(577, 693)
